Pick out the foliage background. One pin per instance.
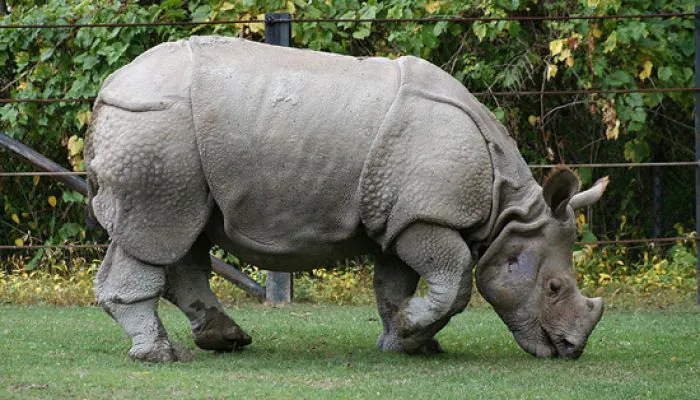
(492, 56)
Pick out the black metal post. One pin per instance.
(657, 200)
(278, 31)
(697, 144)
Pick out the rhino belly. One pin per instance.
(283, 143)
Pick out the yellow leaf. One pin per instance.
(291, 8)
(19, 242)
(597, 33)
(432, 6)
(593, 3)
(570, 61)
(226, 6)
(36, 180)
(565, 53)
(22, 86)
(551, 71)
(257, 27)
(52, 201)
(75, 145)
(646, 70)
(556, 46)
(532, 120)
(15, 218)
(613, 132)
(610, 43)
(83, 117)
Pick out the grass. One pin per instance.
(308, 351)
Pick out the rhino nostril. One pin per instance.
(590, 304)
(568, 349)
(568, 346)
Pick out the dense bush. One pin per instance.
(489, 56)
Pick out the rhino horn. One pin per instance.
(590, 196)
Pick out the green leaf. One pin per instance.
(439, 28)
(46, 53)
(585, 175)
(70, 196)
(637, 151)
(610, 43)
(479, 30)
(69, 230)
(34, 262)
(664, 73)
(201, 13)
(361, 32)
(618, 78)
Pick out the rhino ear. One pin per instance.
(558, 189)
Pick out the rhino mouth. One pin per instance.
(547, 344)
(563, 347)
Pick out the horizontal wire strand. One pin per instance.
(534, 166)
(426, 20)
(477, 94)
(587, 243)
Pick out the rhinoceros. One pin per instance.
(291, 159)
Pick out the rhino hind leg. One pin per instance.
(395, 283)
(443, 259)
(128, 290)
(188, 288)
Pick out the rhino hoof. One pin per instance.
(396, 345)
(224, 340)
(159, 352)
(431, 346)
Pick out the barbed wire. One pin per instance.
(477, 94)
(587, 243)
(423, 20)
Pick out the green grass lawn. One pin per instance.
(306, 351)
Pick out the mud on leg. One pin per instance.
(188, 288)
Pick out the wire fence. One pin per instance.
(534, 166)
(430, 20)
(425, 20)
(477, 94)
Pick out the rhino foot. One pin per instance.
(220, 333)
(160, 351)
(392, 343)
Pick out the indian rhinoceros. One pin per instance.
(291, 159)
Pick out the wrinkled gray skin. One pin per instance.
(291, 159)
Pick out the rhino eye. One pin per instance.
(554, 286)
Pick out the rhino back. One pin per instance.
(283, 136)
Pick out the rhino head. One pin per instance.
(527, 272)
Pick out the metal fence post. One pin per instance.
(697, 145)
(278, 31)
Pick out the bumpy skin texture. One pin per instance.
(290, 159)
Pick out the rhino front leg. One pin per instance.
(128, 290)
(442, 258)
(188, 288)
(394, 283)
